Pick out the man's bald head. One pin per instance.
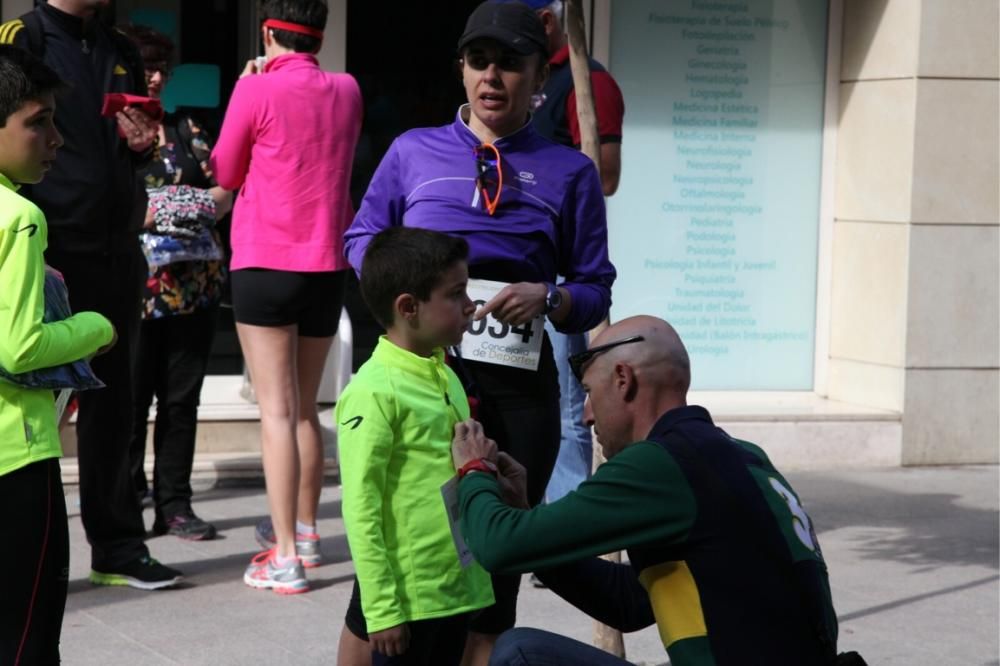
(642, 372)
(660, 358)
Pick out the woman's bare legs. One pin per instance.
(312, 354)
(270, 353)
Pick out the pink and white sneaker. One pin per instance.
(306, 545)
(265, 574)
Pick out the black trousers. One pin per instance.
(170, 363)
(112, 517)
(35, 560)
(437, 642)
(519, 409)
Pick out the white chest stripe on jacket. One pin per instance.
(435, 180)
(475, 196)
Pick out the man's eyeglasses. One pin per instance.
(577, 361)
(489, 175)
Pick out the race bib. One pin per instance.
(490, 341)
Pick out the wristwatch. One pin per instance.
(553, 299)
(477, 465)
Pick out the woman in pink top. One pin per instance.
(287, 144)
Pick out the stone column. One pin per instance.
(914, 323)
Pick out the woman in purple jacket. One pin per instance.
(530, 210)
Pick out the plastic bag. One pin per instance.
(183, 217)
(181, 210)
(161, 249)
(77, 375)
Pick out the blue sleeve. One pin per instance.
(382, 207)
(583, 254)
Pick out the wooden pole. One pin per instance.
(606, 638)
(580, 65)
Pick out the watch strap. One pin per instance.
(477, 465)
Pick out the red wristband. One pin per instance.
(478, 465)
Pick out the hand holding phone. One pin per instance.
(138, 118)
(254, 66)
(115, 102)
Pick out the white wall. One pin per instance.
(333, 55)
(13, 8)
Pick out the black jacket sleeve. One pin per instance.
(606, 591)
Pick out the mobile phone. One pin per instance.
(260, 61)
(115, 102)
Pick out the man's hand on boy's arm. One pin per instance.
(513, 478)
(470, 443)
(391, 642)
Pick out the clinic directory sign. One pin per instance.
(715, 224)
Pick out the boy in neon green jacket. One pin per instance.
(395, 424)
(30, 486)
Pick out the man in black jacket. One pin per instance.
(95, 206)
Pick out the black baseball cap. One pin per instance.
(513, 24)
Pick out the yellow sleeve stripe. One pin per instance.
(673, 594)
(9, 29)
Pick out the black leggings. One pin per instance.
(35, 562)
(519, 409)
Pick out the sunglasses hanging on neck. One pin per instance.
(489, 175)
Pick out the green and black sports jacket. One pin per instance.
(722, 555)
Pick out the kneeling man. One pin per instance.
(722, 556)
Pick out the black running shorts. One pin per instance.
(264, 297)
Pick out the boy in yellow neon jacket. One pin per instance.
(30, 486)
(394, 426)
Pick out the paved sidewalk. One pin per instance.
(912, 555)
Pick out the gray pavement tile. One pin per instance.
(912, 555)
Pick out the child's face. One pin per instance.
(443, 318)
(29, 140)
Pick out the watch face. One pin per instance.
(553, 299)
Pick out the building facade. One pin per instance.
(810, 191)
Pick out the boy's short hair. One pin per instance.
(23, 77)
(406, 260)
(310, 13)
